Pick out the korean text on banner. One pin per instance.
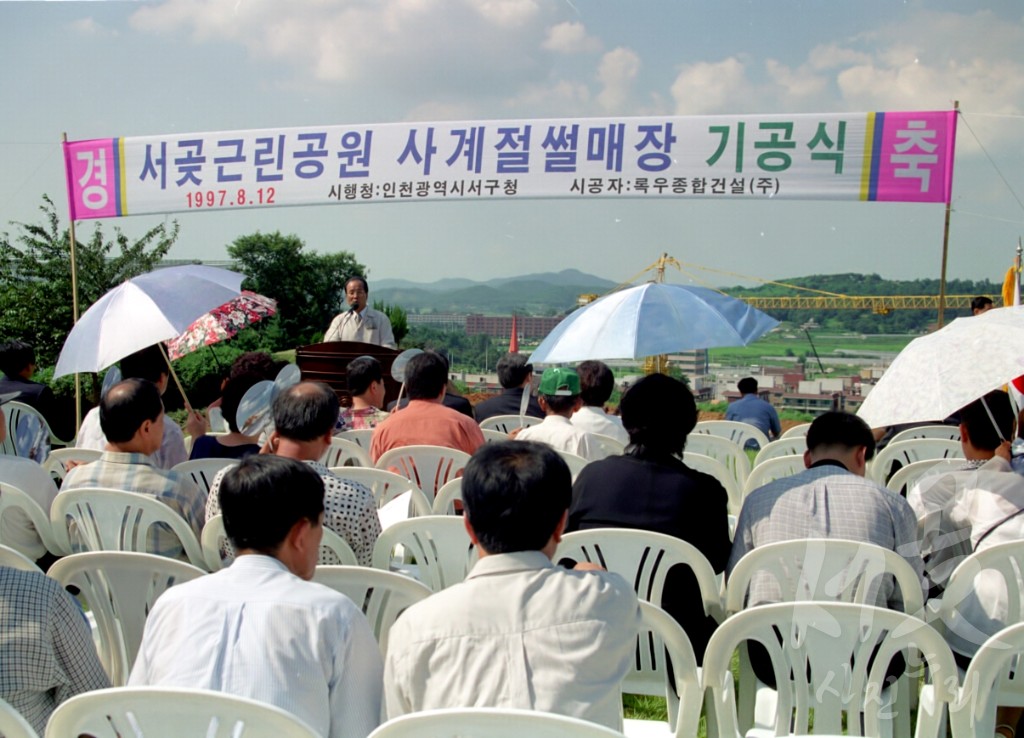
(896, 157)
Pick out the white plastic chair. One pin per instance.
(430, 467)
(160, 712)
(16, 560)
(782, 447)
(438, 544)
(574, 462)
(732, 430)
(14, 500)
(386, 486)
(733, 457)
(714, 467)
(949, 432)
(381, 595)
(994, 677)
(824, 659)
(904, 480)
(202, 471)
(491, 435)
(120, 588)
(444, 502)
(14, 412)
(907, 452)
(218, 552)
(797, 431)
(772, 469)
(607, 445)
(12, 724)
(345, 452)
(508, 423)
(361, 436)
(117, 520)
(485, 722)
(57, 462)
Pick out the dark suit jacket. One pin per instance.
(455, 402)
(507, 403)
(40, 397)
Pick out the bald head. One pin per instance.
(305, 411)
(126, 406)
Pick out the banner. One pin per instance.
(894, 157)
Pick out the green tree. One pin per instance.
(35, 275)
(396, 314)
(308, 286)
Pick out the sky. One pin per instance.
(110, 68)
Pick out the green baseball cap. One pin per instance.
(559, 380)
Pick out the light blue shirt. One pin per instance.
(758, 413)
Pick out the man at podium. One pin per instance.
(359, 322)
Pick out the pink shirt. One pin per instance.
(423, 422)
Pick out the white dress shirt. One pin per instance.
(16, 530)
(366, 326)
(519, 632)
(596, 420)
(170, 453)
(558, 432)
(256, 630)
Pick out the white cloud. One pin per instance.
(570, 38)
(89, 26)
(829, 56)
(616, 73)
(710, 87)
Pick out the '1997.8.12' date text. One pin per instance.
(230, 198)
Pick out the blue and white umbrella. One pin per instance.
(652, 319)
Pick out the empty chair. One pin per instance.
(797, 431)
(508, 423)
(438, 544)
(732, 430)
(218, 552)
(994, 677)
(159, 712)
(345, 452)
(381, 595)
(907, 452)
(428, 466)
(17, 504)
(116, 520)
(120, 588)
(732, 456)
(950, 432)
(202, 471)
(360, 436)
(716, 468)
(57, 462)
(13, 725)
(772, 469)
(782, 447)
(16, 560)
(904, 480)
(485, 722)
(830, 658)
(386, 486)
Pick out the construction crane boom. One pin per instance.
(881, 304)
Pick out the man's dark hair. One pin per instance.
(264, 496)
(658, 412)
(747, 386)
(148, 363)
(982, 433)
(305, 411)
(426, 376)
(980, 303)
(15, 356)
(357, 278)
(596, 382)
(234, 391)
(361, 373)
(126, 406)
(560, 404)
(514, 493)
(513, 370)
(836, 428)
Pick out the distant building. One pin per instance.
(443, 321)
(500, 326)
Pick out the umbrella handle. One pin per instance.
(170, 368)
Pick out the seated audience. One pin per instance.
(596, 385)
(650, 488)
(515, 375)
(259, 628)
(304, 418)
(751, 409)
(519, 632)
(46, 647)
(235, 444)
(366, 386)
(981, 304)
(18, 363)
(559, 394)
(426, 420)
(451, 399)
(132, 419)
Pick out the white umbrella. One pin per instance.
(652, 319)
(145, 310)
(937, 374)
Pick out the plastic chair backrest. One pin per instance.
(949, 432)
(16, 560)
(386, 486)
(117, 520)
(120, 588)
(335, 551)
(493, 435)
(607, 445)
(797, 431)
(12, 724)
(825, 569)
(904, 480)
(15, 414)
(14, 500)
(360, 436)
(202, 471)
(487, 722)
(829, 660)
(444, 502)
(161, 711)
(508, 423)
(772, 469)
(218, 551)
(732, 456)
(345, 452)
(733, 430)
(782, 447)
(381, 595)
(438, 544)
(717, 469)
(57, 462)
(574, 462)
(994, 677)
(430, 467)
(907, 452)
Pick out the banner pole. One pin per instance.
(945, 244)
(74, 294)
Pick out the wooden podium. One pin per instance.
(326, 362)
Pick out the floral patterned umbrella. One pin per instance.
(222, 323)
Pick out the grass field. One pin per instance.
(795, 343)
